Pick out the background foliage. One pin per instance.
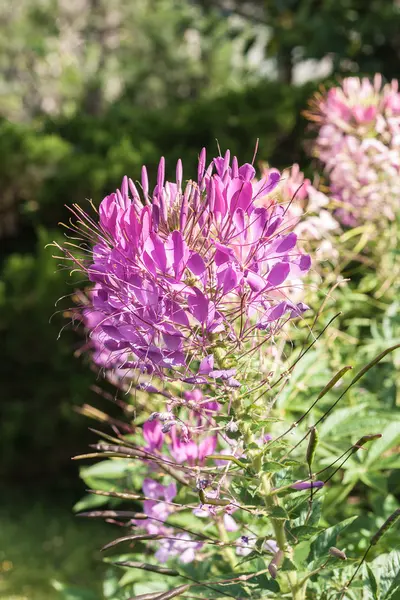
(91, 90)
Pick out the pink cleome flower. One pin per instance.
(179, 271)
(359, 143)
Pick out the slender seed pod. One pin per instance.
(363, 440)
(333, 381)
(275, 563)
(132, 538)
(147, 567)
(174, 593)
(312, 446)
(390, 521)
(216, 501)
(150, 596)
(112, 514)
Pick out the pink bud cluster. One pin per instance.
(178, 271)
(359, 143)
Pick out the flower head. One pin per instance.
(182, 275)
(359, 143)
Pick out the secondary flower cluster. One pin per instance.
(184, 277)
(359, 143)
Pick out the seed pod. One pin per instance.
(112, 514)
(150, 596)
(174, 593)
(217, 501)
(333, 381)
(387, 525)
(312, 446)
(147, 567)
(275, 563)
(337, 553)
(363, 440)
(132, 538)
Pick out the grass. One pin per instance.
(42, 542)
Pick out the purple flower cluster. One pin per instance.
(158, 507)
(359, 143)
(179, 272)
(306, 210)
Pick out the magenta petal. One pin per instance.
(153, 435)
(247, 172)
(206, 365)
(230, 523)
(196, 264)
(288, 243)
(277, 312)
(240, 194)
(278, 274)
(156, 248)
(199, 306)
(255, 282)
(177, 253)
(207, 446)
(227, 278)
(266, 185)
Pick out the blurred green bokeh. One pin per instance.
(89, 91)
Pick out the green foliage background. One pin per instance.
(136, 82)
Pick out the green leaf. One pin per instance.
(90, 501)
(327, 538)
(372, 583)
(304, 532)
(106, 469)
(387, 567)
(390, 437)
(273, 467)
(278, 512)
(73, 593)
(288, 565)
(299, 512)
(339, 416)
(266, 583)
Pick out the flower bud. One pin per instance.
(337, 553)
(153, 417)
(166, 428)
(232, 427)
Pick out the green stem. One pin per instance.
(297, 589)
(271, 503)
(228, 553)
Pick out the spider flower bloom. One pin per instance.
(359, 143)
(180, 274)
